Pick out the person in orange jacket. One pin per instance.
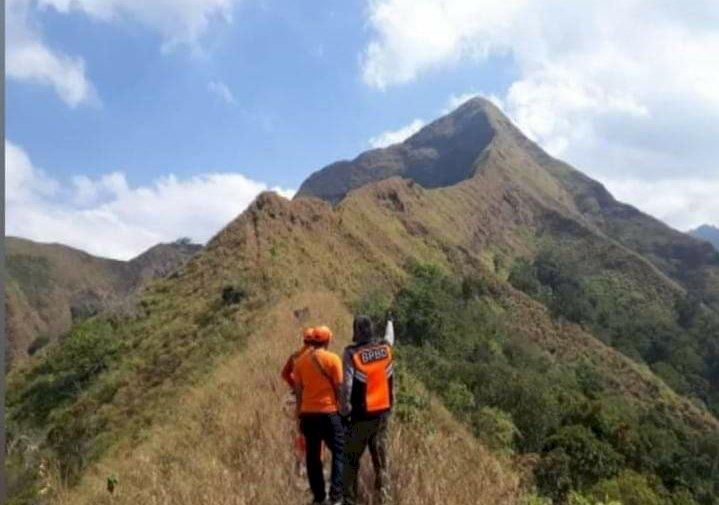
(288, 370)
(298, 440)
(366, 403)
(318, 380)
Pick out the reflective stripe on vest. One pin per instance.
(373, 367)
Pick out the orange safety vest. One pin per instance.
(373, 367)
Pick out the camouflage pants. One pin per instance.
(372, 434)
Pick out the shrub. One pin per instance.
(578, 460)
(232, 295)
(629, 488)
(495, 428)
(411, 398)
(523, 276)
(578, 499)
(458, 399)
(375, 304)
(65, 372)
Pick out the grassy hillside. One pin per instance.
(593, 417)
(149, 360)
(138, 371)
(51, 286)
(532, 342)
(228, 440)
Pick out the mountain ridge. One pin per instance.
(50, 285)
(502, 148)
(563, 341)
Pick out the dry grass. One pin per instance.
(228, 440)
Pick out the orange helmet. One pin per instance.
(308, 333)
(321, 335)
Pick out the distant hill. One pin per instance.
(50, 286)
(551, 340)
(707, 232)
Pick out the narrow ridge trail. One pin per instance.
(227, 441)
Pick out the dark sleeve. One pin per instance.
(346, 390)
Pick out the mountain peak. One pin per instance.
(707, 228)
(477, 104)
(708, 233)
(442, 153)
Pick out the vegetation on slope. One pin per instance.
(54, 286)
(190, 322)
(110, 378)
(539, 377)
(678, 338)
(227, 439)
(214, 310)
(519, 398)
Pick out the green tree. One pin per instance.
(576, 459)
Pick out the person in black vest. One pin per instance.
(366, 404)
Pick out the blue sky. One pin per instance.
(118, 108)
(294, 74)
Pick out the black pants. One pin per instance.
(369, 434)
(327, 428)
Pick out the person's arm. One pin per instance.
(346, 390)
(392, 380)
(337, 379)
(287, 374)
(298, 389)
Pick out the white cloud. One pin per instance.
(684, 203)
(415, 35)
(23, 182)
(108, 217)
(388, 138)
(616, 88)
(179, 22)
(221, 91)
(29, 59)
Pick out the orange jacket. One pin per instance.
(368, 388)
(288, 370)
(318, 378)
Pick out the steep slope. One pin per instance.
(532, 204)
(51, 285)
(441, 154)
(478, 138)
(277, 255)
(181, 402)
(691, 262)
(160, 260)
(707, 232)
(275, 252)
